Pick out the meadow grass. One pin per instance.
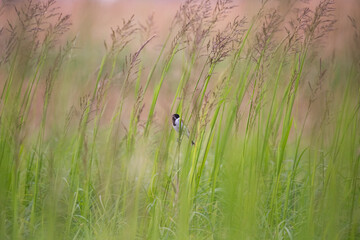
(275, 124)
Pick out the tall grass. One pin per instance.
(275, 126)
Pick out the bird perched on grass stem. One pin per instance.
(180, 127)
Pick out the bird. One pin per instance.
(177, 125)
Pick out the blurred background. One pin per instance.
(92, 21)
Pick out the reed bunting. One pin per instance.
(177, 125)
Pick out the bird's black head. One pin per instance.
(174, 117)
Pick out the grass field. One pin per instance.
(87, 150)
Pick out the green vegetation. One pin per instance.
(276, 127)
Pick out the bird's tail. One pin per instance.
(188, 135)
